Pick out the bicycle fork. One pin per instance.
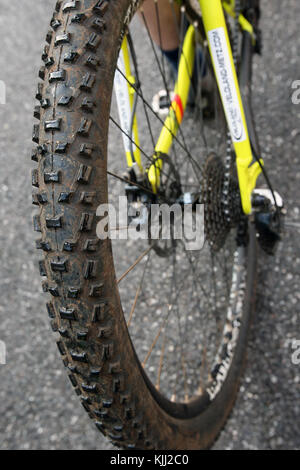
(222, 58)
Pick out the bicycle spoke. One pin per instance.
(181, 341)
(139, 259)
(139, 289)
(160, 38)
(161, 363)
(133, 55)
(169, 310)
(150, 159)
(195, 288)
(184, 146)
(154, 342)
(127, 181)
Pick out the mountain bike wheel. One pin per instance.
(154, 350)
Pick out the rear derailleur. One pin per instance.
(268, 212)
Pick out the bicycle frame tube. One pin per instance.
(222, 58)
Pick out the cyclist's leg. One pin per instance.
(161, 18)
(164, 31)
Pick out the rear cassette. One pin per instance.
(217, 221)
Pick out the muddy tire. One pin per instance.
(70, 182)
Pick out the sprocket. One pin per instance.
(217, 223)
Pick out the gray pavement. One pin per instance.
(38, 409)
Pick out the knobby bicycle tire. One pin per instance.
(85, 308)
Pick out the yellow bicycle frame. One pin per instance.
(214, 23)
(222, 60)
(125, 101)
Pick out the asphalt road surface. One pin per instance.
(38, 409)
